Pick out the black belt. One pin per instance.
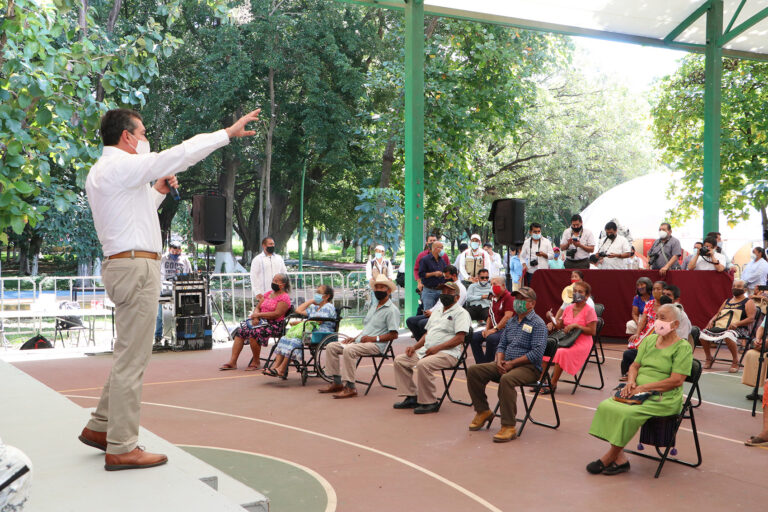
(14, 477)
(572, 259)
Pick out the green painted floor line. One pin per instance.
(288, 487)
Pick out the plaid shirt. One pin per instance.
(527, 338)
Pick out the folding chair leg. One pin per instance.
(596, 361)
(447, 388)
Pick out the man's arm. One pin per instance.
(462, 267)
(586, 244)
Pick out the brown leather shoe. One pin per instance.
(480, 420)
(94, 439)
(346, 393)
(135, 459)
(506, 433)
(333, 388)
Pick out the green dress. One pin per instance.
(617, 422)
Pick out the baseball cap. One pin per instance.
(525, 293)
(175, 244)
(450, 285)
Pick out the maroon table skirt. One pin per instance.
(701, 293)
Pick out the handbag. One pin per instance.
(637, 399)
(297, 330)
(565, 339)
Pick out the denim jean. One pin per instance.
(429, 297)
(491, 343)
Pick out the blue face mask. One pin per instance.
(442, 253)
(474, 245)
(378, 255)
(318, 298)
(174, 257)
(536, 236)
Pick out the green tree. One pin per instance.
(678, 126)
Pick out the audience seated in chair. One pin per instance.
(264, 322)
(417, 323)
(642, 295)
(731, 323)
(479, 297)
(379, 327)
(751, 362)
(663, 362)
(577, 276)
(517, 362)
(320, 306)
(644, 327)
(500, 311)
(439, 348)
(578, 315)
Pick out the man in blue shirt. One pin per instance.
(431, 268)
(518, 362)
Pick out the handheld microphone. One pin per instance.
(174, 191)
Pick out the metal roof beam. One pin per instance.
(687, 22)
(749, 23)
(735, 15)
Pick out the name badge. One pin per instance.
(527, 328)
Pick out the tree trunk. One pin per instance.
(111, 21)
(320, 241)
(81, 19)
(387, 159)
(265, 207)
(310, 238)
(24, 260)
(345, 243)
(764, 216)
(230, 165)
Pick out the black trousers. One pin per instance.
(577, 263)
(477, 313)
(627, 359)
(417, 325)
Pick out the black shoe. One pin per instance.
(426, 409)
(614, 469)
(410, 402)
(753, 396)
(596, 467)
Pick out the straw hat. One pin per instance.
(382, 279)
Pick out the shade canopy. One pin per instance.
(677, 24)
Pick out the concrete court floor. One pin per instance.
(376, 458)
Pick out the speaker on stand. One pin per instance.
(508, 219)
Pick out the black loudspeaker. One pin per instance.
(38, 341)
(209, 213)
(508, 218)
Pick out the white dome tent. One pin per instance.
(641, 204)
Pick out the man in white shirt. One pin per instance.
(417, 324)
(721, 255)
(472, 260)
(707, 257)
(496, 265)
(124, 207)
(264, 267)
(577, 243)
(536, 252)
(171, 264)
(613, 251)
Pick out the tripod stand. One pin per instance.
(213, 306)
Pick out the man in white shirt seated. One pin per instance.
(440, 347)
(264, 267)
(614, 250)
(707, 257)
(417, 324)
(536, 253)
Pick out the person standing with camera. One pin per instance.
(707, 258)
(665, 252)
(536, 253)
(614, 250)
(578, 243)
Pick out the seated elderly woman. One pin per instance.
(731, 323)
(663, 362)
(291, 347)
(265, 321)
(578, 315)
(577, 276)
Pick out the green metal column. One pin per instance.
(301, 218)
(414, 145)
(712, 116)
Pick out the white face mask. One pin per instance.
(662, 234)
(142, 146)
(754, 257)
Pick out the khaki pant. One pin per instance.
(478, 377)
(134, 286)
(348, 354)
(751, 360)
(425, 387)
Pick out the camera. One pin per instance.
(593, 258)
(574, 238)
(704, 251)
(762, 287)
(652, 259)
(602, 254)
(570, 252)
(533, 262)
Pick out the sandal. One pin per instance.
(283, 376)
(227, 366)
(269, 372)
(252, 368)
(734, 368)
(547, 390)
(708, 364)
(756, 441)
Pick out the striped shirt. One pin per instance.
(527, 338)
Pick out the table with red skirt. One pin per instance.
(701, 293)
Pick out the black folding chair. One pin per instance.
(759, 317)
(69, 324)
(599, 310)
(661, 431)
(592, 358)
(549, 352)
(695, 333)
(461, 365)
(378, 362)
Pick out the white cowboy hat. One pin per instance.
(382, 279)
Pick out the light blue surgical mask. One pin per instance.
(378, 255)
(536, 236)
(442, 253)
(474, 245)
(318, 298)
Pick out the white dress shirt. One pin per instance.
(585, 237)
(124, 204)
(263, 270)
(495, 268)
(618, 245)
(529, 250)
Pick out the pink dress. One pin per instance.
(571, 359)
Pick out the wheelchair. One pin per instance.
(315, 344)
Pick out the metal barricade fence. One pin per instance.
(16, 294)
(358, 290)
